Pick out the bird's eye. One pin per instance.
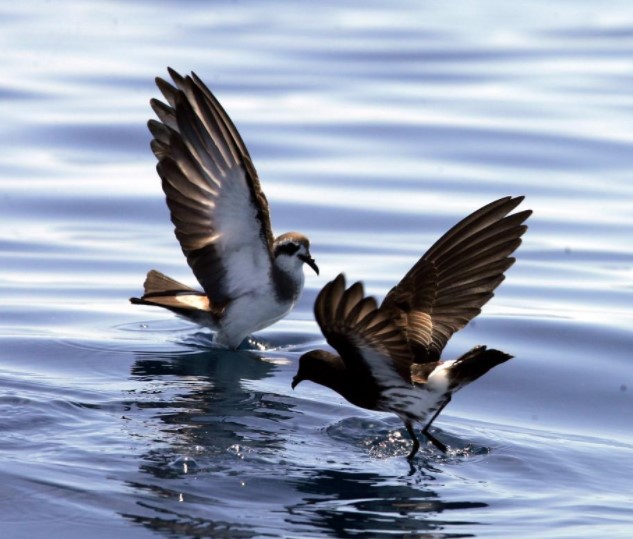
(286, 249)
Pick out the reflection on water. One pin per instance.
(217, 438)
(203, 398)
(345, 504)
(203, 411)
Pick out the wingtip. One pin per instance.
(324, 300)
(173, 73)
(339, 280)
(517, 200)
(513, 202)
(161, 83)
(153, 125)
(338, 284)
(508, 203)
(155, 103)
(165, 88)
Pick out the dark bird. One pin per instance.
(249, 278)
(389, 356)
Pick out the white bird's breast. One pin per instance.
(249, 313)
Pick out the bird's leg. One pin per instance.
(414, 438)
(440, 445)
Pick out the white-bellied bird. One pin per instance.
(249, 278)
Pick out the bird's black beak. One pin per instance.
(310, 262)
(295, 381)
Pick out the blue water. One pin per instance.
(374, 128)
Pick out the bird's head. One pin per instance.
(322, 368)
(292, 250)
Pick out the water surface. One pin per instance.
(373, 130)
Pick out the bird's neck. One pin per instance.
(287, 281)
(333, 374)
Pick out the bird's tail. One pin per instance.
(166, 292)
(157, 283)
(475, 363)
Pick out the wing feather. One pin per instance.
(219, 211)
(452, 281)
(365, 338)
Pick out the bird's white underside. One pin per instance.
(246, 258)
(217, 184)
(402, 398)
(251, 312)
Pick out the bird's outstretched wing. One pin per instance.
(448, 286)
(214, 196)
(367, 341)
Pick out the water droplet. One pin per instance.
(184, 464)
